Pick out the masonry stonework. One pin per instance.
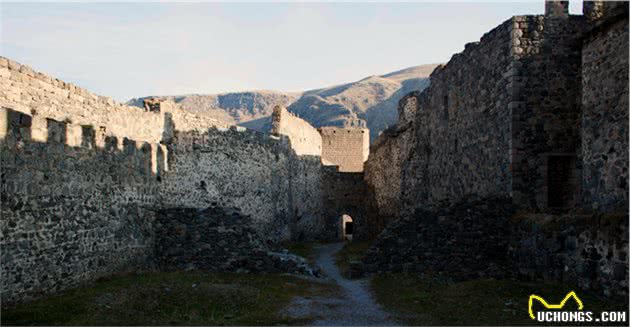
(347, 148)
(460, 143)
(343, 193)
(513, 163)
(218, 239)
(305, 139)
(605, 109)
(82, 177)
(535, 113)
(586, 250)
(257, 173)
(74, 207)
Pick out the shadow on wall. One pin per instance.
(343, 194)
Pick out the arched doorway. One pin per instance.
(346, 227)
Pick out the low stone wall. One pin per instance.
(218, 239)
(587, 250)
(465, 241)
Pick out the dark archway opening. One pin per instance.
(346, 227)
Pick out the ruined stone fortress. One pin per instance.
(513, 163)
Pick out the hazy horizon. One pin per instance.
(129, 50)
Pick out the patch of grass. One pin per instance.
(416, 301)
(351, 251)
(178, 298)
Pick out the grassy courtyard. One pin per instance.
(180, 298)
(416, 301)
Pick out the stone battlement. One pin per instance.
(25, 90)
(83, 175)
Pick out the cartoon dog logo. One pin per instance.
(553, 306)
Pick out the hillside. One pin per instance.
(234, 108)
(373, 99)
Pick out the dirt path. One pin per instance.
(355, 306)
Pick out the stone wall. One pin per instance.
(605, 109)
(347, 148)
(255, 172)
(590, 251)
(464, 241)
(34, 93)
(343, 193)
(218, 239)
(305, 139)
(305, 173)
(306, 198)
(382, 179)
(503, 120)
(461, 129)
(481, 238)
(383, 169)
(74, 204)
(545, 107)
(82, 177)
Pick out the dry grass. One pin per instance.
(180, 298)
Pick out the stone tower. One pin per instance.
(555, 8)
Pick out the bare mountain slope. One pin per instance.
(373, 100)
(234, 108)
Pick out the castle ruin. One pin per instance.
(531, 122)
(525, 127)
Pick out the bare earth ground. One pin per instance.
(353, 306)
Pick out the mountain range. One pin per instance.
(371, 101)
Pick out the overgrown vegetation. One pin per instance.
(417, 301)
(178, 298)
(351, 251)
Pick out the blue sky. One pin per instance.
(127, 50)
